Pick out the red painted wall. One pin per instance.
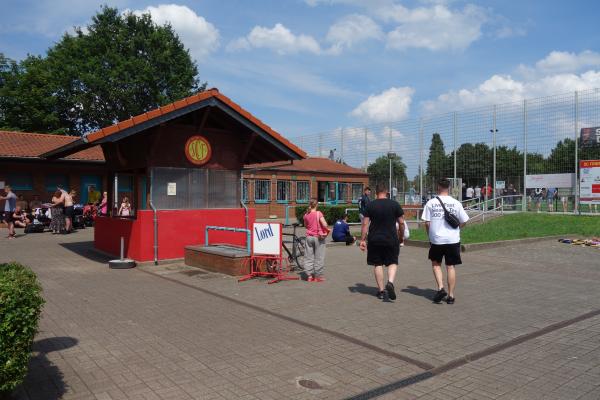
(176, 229)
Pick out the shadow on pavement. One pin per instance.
(427, 293)
(44, 380)
(86, 249)
(363, 289)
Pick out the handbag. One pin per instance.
(406, 231)
(451, 219)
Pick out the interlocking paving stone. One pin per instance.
(128, 334)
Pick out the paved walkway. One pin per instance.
(526, 325)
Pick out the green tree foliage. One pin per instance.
(379, 171)
(439, 165)
(119, 66)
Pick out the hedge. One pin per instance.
(20, 307)
(331, 213)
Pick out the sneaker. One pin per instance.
(439, 296)
(319, 279)
(381, 295)
(310, 278)
(450, 300)
(390, 290)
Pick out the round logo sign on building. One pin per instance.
(197, 150)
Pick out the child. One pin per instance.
(125, 209)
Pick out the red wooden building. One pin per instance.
(182, 166)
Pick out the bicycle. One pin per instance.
(296, 253)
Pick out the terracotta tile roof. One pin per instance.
(311, 164)
(31, 145)
(119, 126)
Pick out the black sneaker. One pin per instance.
(390, 290)
(381, 295)
(439, 296)
(450, 300)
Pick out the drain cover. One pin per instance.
(309, 384)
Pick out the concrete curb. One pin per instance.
(489, 245)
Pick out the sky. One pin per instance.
(308, 66)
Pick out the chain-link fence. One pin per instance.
(532, 146)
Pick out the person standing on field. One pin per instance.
(444, 240)
(363, 202)
(380, 219)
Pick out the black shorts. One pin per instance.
(451, 252)
(382, 254)
(69, 212)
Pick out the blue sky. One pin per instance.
(307, 66)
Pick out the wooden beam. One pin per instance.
(204, 118)
(248, 147)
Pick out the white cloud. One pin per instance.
(392, 104)
(351, 30)
(556, 73)
(562, 61)
(279, 39)
(434, 28)
(197, 34)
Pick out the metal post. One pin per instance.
(454, 134)
(390, 187)
(576, 206)
(494, 140)
(421, 160)
(366, 157)
(524, 203)
(320, 143)
(485, 199)
(342, 144)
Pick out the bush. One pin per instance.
(331, 213)
(20, 307)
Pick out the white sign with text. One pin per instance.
(266, 239)
(550, 181)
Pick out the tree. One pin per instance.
(119, 66)
(379, 171)
(438, 163)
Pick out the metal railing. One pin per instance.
(228, 229)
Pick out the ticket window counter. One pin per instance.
(129, 194)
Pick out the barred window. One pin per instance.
(302, 191)
(342, 192)
(262, 190)
(357, 190)
(284, 192)
(245, 186)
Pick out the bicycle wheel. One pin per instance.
(299, 244)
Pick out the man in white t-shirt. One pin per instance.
(444, 240)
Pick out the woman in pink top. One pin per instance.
(104, 204)
(316, 232)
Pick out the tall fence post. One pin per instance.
(524, 205)
(342, 144)
(494, 130)
(320, 144)
(454, 136)
(365, 147)
(421, 160)
(576, 125)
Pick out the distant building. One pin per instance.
(28, 174)
(270, 188)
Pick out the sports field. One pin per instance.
(524, 225)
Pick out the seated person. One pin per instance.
(20, 219)
(35, 203)
(341, 231)
(93, 195)
(21, 202)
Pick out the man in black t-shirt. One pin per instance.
(380, 218)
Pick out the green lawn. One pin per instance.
(524, 225)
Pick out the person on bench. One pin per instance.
(341, 231)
